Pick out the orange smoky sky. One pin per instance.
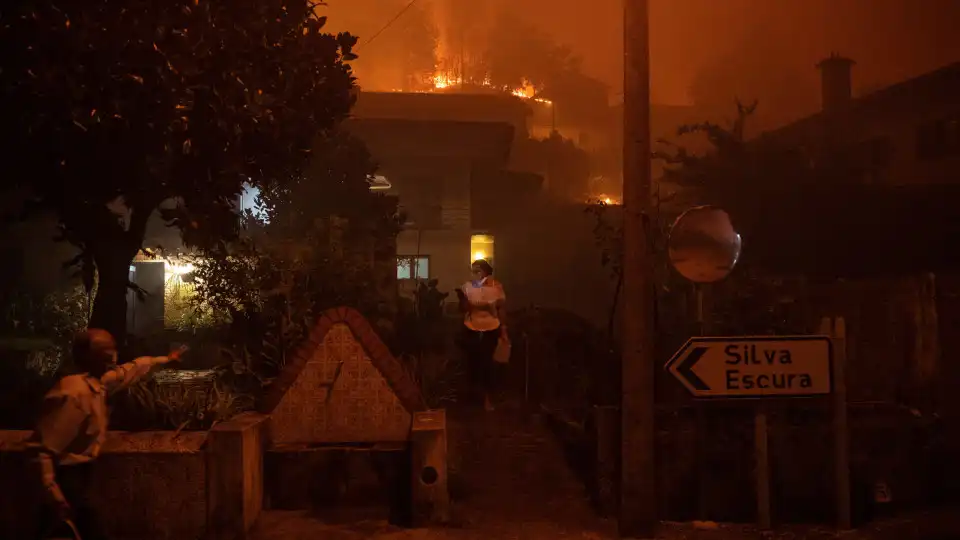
(764, 47)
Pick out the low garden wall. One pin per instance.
(159, 485)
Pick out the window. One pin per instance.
(413, 267)
(481, 247)
(874, 158)
(938, 139)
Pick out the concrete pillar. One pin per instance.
(235, 476)
(431, 498)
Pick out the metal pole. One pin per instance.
(638, 501)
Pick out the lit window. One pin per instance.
(481, 247)
(412, 267)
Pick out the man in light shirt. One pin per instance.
(483, 303)
(73, 426)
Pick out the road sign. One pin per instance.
(765, 366)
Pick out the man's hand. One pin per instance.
(63, 510)
(177, 354)
(504, 335)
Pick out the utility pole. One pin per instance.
(638, 498)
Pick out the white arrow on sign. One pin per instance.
(764, 366)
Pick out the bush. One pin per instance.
(182, 400)
(28, 368)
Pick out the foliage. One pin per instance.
(436, 374)
(519, 54)
(56, 316)
(769, 73)
(737, 175)
(28, 368)
(314, 243)
(117, 107)
(181, 311)
(565, 165)
(161, 403)
(608, 236)
(571, 363)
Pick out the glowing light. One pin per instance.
(249, 201)
(481, 247)
(604, 199)
(528, 91)
(443, 81)
(379, 183)
(178, 269)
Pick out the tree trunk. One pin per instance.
(113, 250)
(110, 304)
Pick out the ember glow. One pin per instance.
(527, 91)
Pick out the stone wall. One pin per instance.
(158, 485)
(148, 485)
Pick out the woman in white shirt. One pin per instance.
(483, 304)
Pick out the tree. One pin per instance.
(786, 85)
(417, 44)
(519, 53)
(313, 245)
(117, 108)
(739, 175)
(565, 166)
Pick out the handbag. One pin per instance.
(501, 354)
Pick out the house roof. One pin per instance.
(403, 386)
(939, 85)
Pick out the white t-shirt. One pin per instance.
(481, 295)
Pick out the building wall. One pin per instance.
(436, 196)
(453, 107)
(448, 252)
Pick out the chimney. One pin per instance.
(835, 81)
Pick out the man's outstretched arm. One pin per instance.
(124, 375)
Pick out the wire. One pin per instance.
(393, 20)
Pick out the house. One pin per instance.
(891, 210)
(440, 154)
(905, 134)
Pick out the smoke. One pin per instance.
(750, 48)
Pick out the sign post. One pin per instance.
(841, 434)
(757, 367)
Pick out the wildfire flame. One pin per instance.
(527, 91)
(441, 81)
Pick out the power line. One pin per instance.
(391, 21)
